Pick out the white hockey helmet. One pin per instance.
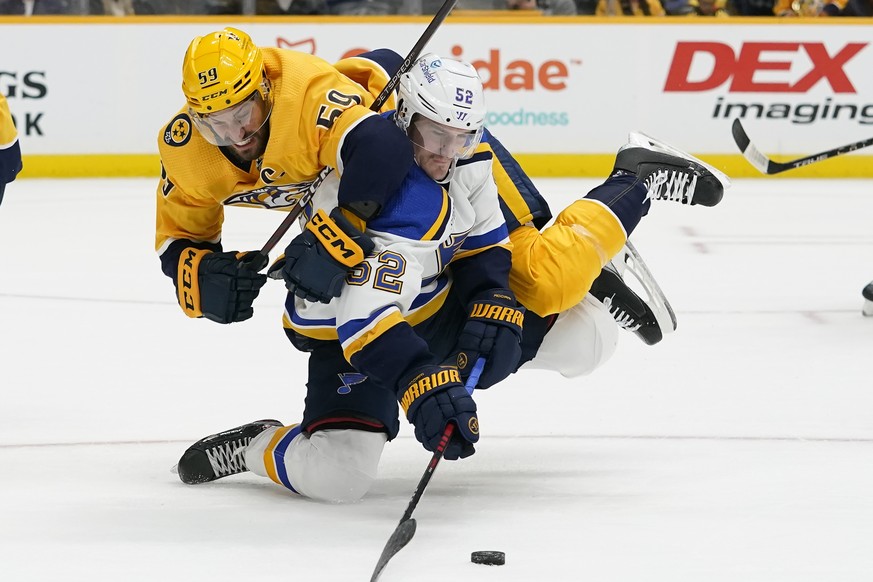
(446, 92)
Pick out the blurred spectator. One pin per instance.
(824, 8)
(40, 7)
(192, 7)
(586, 7)
(546, 7)
(753, 7)
(677, 7)
(274, 7)
(798, 7)
(630, 8)
(362, 7)
(857, 8)
(696, 7)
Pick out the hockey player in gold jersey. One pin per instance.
(258, 127)
(10, 151)
(370, 345)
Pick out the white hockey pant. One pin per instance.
(334, 465)
(580, 341)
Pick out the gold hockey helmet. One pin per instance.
(224, 83)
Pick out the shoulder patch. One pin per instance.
(178, 133)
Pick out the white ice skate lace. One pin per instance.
(673, 185)
(227, 459)
(621, 317)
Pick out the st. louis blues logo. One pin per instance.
(349, 379)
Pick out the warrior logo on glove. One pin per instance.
(425, 383)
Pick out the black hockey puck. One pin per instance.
(488, 558)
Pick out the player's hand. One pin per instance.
(219, 286)
(433, 396)
(493, 330)
(317, 261)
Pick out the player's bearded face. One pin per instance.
(242, 127)
(437, 147)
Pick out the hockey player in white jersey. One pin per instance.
(598, 224)
(389, 337)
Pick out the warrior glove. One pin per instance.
(317, 261)
(218, 286)
(433, 396)
(493, 330)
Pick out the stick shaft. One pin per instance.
(767, 166)
(383, 96)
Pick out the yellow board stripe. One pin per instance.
(536, 165)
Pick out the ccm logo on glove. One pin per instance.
(425, 383)
(340, 245)
(189, 291)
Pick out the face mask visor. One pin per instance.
(234, 125)
(442, 140)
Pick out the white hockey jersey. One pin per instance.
(405, 281)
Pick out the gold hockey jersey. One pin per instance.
(10, 152)
(316, 106)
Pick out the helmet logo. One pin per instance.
(425, 70)
(461, 115)
(214, 95)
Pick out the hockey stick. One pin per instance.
(767, 166)
(406, 528)
(261, 258)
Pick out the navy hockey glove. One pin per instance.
(317, 261)
(218, 286)
(432, 397)
(493, 331)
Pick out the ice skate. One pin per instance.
(650, 317)
(868, 300)
(669, 173)
(220, 455)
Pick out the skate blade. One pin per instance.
(633, 263)
(174, 469)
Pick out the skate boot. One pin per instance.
(670, 174)
(868, 299)
(221, 454)
(648, 318)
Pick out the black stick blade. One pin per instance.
(740, 137)
(398, 540)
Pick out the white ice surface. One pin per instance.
(738, 449)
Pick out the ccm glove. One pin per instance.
(433, 396)
(317, 261)
(218, 286)
(493, 331)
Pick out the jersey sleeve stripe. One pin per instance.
(356, 334)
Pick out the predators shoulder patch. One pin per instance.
(178, 133)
